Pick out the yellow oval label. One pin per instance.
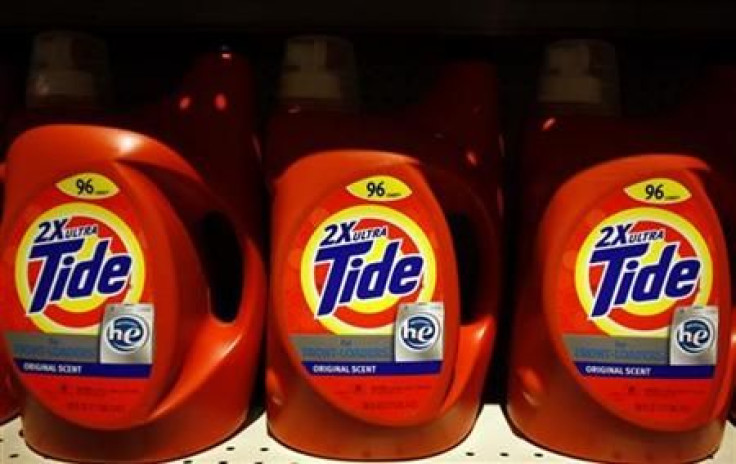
(89, 186)
(658, 191)
(379, 188)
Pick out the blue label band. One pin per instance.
(645, 371)
(380, 368)
(33, 366)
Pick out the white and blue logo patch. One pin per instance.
(695, 335)
(126, 334)
(420, 332)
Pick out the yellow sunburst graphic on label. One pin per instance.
(63, 279)
(393, 240)
(672, 275)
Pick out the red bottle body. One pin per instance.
(601, 366)
(171, 328)
(407, 182)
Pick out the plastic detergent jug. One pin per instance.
(622, 335)
(8, 405)
(369, 333)
(133, 288)
(707, 118)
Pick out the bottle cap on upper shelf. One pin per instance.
(319, 68)
(581, 72)
(68, 68)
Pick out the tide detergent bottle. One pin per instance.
(369, 335)
(622, 345)
(132, 291)
(707, 117)
(8, 404)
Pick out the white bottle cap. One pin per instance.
(320, 69)
(581, 72)
(67, 67)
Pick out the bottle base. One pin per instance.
(166, 439)
(636, 446)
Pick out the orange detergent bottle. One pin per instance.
(372, 336)
(133, 286)
(8, 404)
(622, 346)
(707, 117)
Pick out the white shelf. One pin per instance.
(490, 442)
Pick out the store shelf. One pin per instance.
(491, 17)
(491, 442)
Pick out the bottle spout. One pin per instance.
(580, 76)
(319, 71)
(68, 69)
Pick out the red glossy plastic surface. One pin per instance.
(450, 166)
(575, 171)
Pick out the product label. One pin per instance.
(636, 300)
(80, 319)
(366, 312)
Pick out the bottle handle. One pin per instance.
(214, 338)
(461, 106)
(480, 321)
